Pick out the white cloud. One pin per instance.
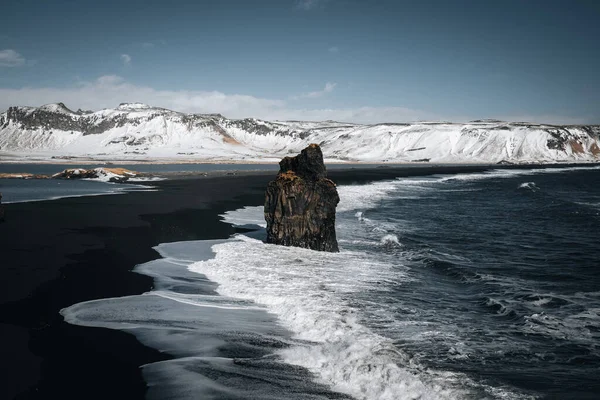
(365, 115)
(334, 49)
(311, 95)
(126, 58)
(153, 44)
(110, 90)
(10, 58)
(308, 4)
(106, 80)
(546, 119)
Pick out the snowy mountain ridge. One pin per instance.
(135, 131)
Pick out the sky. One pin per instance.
(348, 60)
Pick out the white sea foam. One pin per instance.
(529, 186)
(246, 216)
(363, 197)
(542, 301)
(146, 179)
(510, 173)
(360, 197)
(390, 241)
(580, 327)
(595, 205)
(311, 294)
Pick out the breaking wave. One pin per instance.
(529, 186)
(398, 313)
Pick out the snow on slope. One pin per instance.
(137, 131)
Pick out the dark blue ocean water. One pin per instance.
(506, 275)
(25, 190)
(149, 168)
(17, 190)
(161, 168)
(474, 286)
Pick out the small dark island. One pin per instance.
(300, 203)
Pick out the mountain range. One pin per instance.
(138, 132)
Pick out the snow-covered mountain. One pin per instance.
(136, 131)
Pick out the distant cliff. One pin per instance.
(137, 131)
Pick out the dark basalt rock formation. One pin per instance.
(300, 203)
(21, 175)
(114, 175)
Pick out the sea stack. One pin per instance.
(300, 203)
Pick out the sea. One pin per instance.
(466, 286)
(26, 190)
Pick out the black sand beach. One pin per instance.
(61, 252)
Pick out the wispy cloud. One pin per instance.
(105, 80)
(10, 58)
(363, 115)
(126, 59)
(546, 119)
(110, 90)
(153, 44)
(334, 49)
(329, 86)
(309, 4)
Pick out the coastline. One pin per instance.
(9, 158)
(70, 250)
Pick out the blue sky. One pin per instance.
(364, 61)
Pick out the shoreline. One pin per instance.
(13, 159)
(150, 177)
(75, 249)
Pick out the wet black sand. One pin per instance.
(61, 252)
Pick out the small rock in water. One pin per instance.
(300, 203)
(115, 175)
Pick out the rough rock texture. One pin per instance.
(21, 175)
(300, 203)
(115, 175)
